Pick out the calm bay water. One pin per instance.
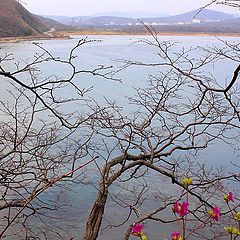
(109, 49)
(106, 52)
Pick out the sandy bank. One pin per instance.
(67, 34)
(88, 32)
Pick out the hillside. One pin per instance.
(205, 15)
(206, 21)
(15, 20)
(132, 14)
(109, 20)
(229, 23)
(50, 23)
(98, 20)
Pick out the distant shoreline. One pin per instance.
(67, 35)
(31, 38)
(88, 32)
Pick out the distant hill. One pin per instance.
(230, 22)
(132, 14)
(99, 20)
(50, 23)
(205, 15)
(109, 20)
(231, 25)
(108, 16)
(206, 21)
(72, 21)
(15, 20)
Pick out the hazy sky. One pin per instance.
(90, 7)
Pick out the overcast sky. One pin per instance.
(91, 7)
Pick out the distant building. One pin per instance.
(196, 20)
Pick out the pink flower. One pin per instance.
(229, 197)
(184, 209)
(181, 209)
(175, 236)
(176, 208)
(214, 213)
(137, 229)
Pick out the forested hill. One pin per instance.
(15, 20)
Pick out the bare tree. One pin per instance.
(140, 156)
(43, 137)
(183, 111)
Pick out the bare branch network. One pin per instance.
(134, 162)
(229, 3)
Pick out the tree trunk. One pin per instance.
(95, 216)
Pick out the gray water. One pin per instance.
(106, 52)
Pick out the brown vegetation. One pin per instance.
(15, 21)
